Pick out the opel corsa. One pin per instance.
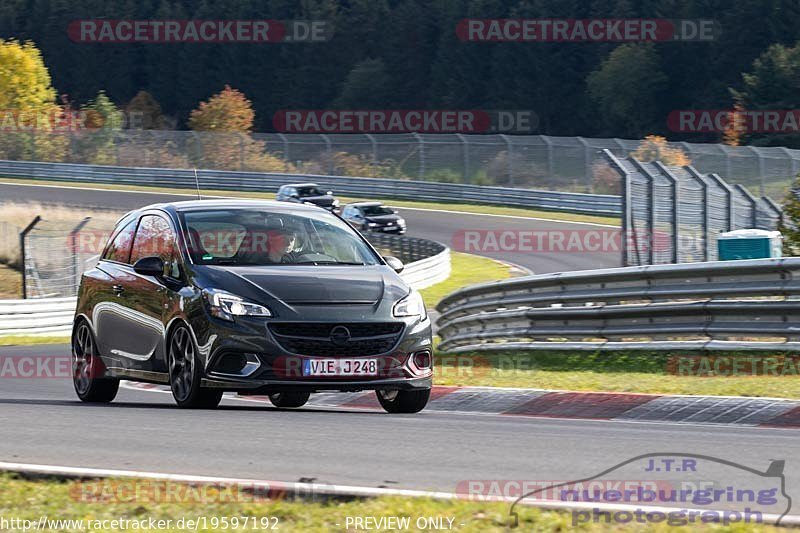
(254, 297)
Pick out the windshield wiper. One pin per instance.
(326, 263)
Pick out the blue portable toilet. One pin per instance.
(749, 244)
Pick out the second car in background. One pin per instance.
(308, 193)
(374, 216)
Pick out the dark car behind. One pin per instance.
(308, 193)
(374, 216)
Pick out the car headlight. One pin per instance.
(226, 306)
(372, 224)
(411, 305)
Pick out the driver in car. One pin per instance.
(281, 246)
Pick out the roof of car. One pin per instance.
(301, 185)
(364, 204)
(193, 205)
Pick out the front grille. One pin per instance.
(314, 338)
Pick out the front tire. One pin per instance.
(185, 373)
(289, 399)
(88, 369)
(403, 401)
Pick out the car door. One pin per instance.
(149, 297)
(110, 308)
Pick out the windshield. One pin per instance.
(253, 237)
(309, 191)
(377, 210)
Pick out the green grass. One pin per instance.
(25, 340)
(465, 208)
(10, 283)
(56, 499)
(638, 372)
(467, 269)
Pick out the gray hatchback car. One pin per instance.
(255, 297)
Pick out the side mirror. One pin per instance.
(294, 195)
(394, 263)
(149, 266)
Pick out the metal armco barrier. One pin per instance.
(726, 305)
(226, 180)
(37, 317)
(427, 262)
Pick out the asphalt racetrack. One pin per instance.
(42, 421)
(447, 227)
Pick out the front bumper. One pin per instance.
(254, 387)
(278, 369)
(388, 229)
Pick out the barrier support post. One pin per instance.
(74, 250)
(22, 236)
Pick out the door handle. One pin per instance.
(118, 289)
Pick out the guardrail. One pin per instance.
(724, 305)
(225, 180)
(45, 316)
(427, 262)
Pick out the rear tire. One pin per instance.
(289, 399)
(403, 401)
(185, 374)
(88, 369)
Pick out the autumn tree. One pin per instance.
(225, 122)
(95, 141)
(28, 102)
(655, 148)
(227, 111)
(144, 112)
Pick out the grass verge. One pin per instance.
(29, 340)
(10, 283)
(466, 269)
(438, 206)
(60, 500)
(730, 374)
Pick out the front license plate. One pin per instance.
(340, 367)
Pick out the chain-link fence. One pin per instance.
(56, 251)
(568, 164)
(55, 254)
(675, 214)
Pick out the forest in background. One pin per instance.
(404, 54)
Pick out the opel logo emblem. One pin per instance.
(340, 335)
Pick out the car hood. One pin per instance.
(309, 285)
(319, 200)
(383, 219)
